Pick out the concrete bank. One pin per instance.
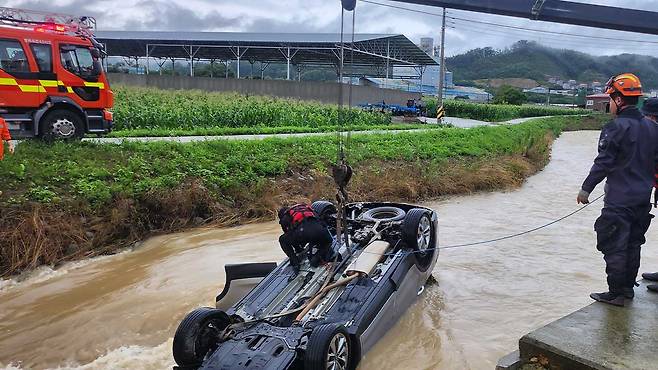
(599, 336)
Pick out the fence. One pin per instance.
(325, 92)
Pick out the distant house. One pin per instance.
(598, 102)
(537, 90)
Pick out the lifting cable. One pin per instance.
(341, 171)
(512, 236)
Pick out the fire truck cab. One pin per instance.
(52, 83)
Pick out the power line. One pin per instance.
(510, 26)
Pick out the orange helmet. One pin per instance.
(627, 84)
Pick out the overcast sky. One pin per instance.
(324, 16)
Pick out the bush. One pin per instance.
(147, 108)
(497, 113)
(509, 95)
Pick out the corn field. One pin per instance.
(498, 113)
(147, 108)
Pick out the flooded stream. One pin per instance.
(120, 312)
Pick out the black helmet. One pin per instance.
(650, 107)
(282, 212)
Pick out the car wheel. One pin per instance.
(61, 124)
(329, 348)
(418, 234)
(197, 335)
(383, 214)
(324, 210)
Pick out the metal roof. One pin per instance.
(300, 48)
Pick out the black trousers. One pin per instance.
(620, 236)
(310, 231)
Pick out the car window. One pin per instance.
(77, 60)
(12, 57)
(44, 56)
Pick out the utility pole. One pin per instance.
(442, 76)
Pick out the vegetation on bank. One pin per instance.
(498, 112)
(156, 109)
(218, 131)
(73, 200)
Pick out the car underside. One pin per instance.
(324, 317)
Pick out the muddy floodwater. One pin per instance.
(120, 312)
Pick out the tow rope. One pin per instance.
(516, 235)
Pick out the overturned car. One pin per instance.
(325, 317)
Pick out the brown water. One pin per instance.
(120, 312)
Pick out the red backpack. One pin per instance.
(299, 213)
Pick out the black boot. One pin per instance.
(615, 299)
(629, 293)
(295, 264)
(650, 276)
(653, 287)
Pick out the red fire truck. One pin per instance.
(52, 83)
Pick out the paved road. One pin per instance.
(456, 122)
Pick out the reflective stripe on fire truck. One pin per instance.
(45, 83)
(50, 83)
(100, 85)
(8, 82)
(32, 88)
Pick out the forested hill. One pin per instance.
(530, 60)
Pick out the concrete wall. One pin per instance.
(305, 90)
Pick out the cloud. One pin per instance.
(464, 33)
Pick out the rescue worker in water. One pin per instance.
(301, 226)
(628, 152)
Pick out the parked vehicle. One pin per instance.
(52, 83)
(325, 317)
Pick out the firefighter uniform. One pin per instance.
(4, 136)
(301, 227)
(628, 152)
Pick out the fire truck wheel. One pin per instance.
(61, 124)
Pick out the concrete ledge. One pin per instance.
(599, 336)
(510, 362)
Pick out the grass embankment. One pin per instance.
(257, 130)
(74, 200)
(155, 112)
(498, 113)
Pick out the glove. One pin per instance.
(11, 147)
(583, 197)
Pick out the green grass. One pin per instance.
(218, 131)
(155, 109)
(498, 113)
(91, 175)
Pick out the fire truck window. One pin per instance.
(78, 60)
(44, 56)
(12, 57)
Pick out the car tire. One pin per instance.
(61, 124)
(330, 344)
(383, 214)
(419, 235)
(197, 335)
(324, 210)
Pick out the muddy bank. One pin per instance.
(404, 168)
